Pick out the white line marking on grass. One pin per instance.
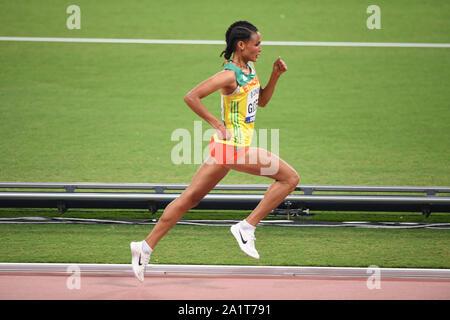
(219, 42)
(357, 44)
(102, 40)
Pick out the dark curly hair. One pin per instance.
(240, 30)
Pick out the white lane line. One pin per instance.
(220, 42)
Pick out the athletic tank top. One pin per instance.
(239, 108)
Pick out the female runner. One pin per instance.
(230, 147)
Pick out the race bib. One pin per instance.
(252, 105)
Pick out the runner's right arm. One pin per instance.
(224, 80)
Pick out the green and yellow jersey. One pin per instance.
(239, 108)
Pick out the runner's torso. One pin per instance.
(239, 108)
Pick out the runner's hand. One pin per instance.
(279, 67)
(223, 133)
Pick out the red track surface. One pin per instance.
(193, 287)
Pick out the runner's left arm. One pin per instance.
(279, 67)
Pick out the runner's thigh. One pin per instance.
(261, 162)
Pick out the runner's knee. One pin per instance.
(292, 180)
(192, 200)
(180, 205)
(185, 202)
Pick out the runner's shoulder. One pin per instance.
(228, 77)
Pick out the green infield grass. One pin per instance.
(91, 112)
(288, 246)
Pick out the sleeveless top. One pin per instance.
(239, 108)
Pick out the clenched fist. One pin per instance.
(279, 67)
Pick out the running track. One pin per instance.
(165, 282)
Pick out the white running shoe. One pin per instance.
(245, 240)
(139, 260)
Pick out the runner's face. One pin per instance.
(252, 47)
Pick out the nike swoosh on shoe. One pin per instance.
(243, 241)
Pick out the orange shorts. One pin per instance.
(225, 153)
